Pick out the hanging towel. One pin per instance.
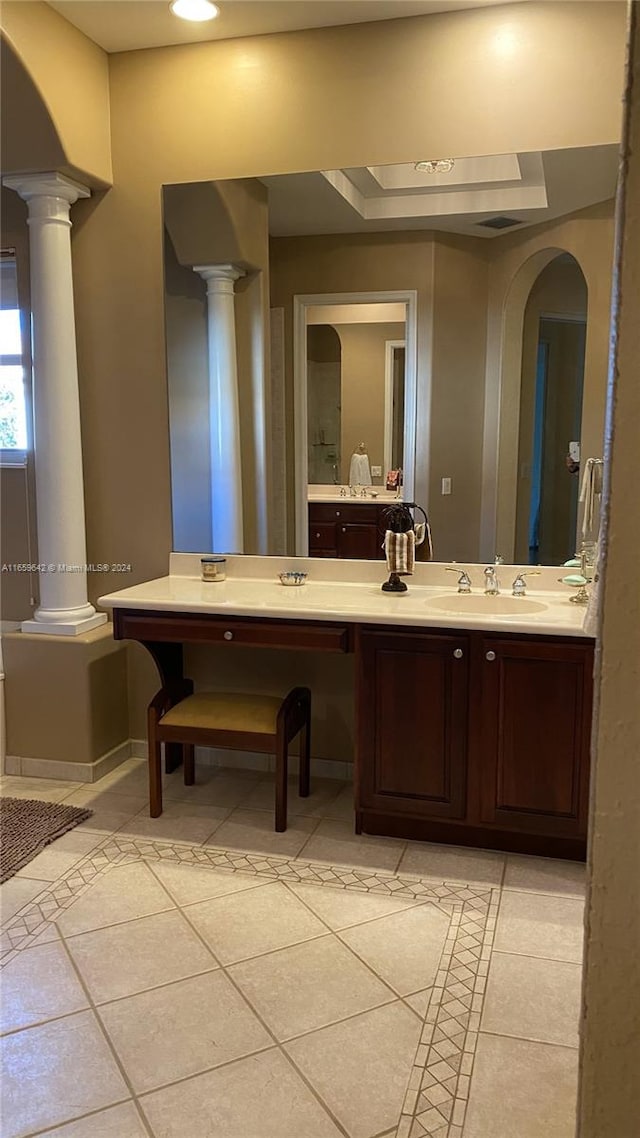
(359, 471)
(591, 489)
(400, 551)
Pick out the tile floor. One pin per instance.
(199, 975)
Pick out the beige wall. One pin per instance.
(72, 76)
(609, 1098)
(459, 329)
(363, 378)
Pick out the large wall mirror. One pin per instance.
(445, 318)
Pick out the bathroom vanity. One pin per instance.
(472, 714)
(350, 526)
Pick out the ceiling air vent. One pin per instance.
(499, 222)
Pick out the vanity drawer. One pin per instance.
(346, 511)
(322, 535)
(199, 628)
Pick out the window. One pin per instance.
(13, 405)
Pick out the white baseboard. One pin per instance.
(250, 760)
(71, 772)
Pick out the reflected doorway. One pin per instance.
(551, 393)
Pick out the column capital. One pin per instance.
(219, 277)
(50, 184)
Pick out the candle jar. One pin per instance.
(213, 568)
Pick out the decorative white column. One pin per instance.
(64, 608)
(224, 414)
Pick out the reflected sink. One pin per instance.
(482, 605)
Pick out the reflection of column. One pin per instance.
(64, 607)
(224, 415)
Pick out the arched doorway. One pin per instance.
(551, 388)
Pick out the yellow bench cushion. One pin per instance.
(227, 711)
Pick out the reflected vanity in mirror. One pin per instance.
(448, 323)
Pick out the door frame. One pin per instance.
(301, 302)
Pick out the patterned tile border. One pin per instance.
(438, 1085)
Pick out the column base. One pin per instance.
(69, 628)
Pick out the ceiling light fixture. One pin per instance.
(436, 166)
(197, 10)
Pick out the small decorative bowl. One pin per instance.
(292, 577)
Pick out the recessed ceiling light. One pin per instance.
(198, 10)
(436, 166)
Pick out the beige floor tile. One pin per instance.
(106, 802)
(545, 875)
(342, 808)
(116, 1122)
(38, 985)
(360, 1068)
(211, 786)
(521, 1088)
(128, 958)
(419, 1001)
(335, 843)
(259, 1097)
(307, 986)
(61, 855)
(259, 920)
(404, 949)
(452, 863)
(181, 1030)
(123, 894)
(341, 908)
(253, 830)
(17, 892)
(324, 791)
(130, 778)
(550, 927)
(55, 1073)
(40, 789)
(188, 884)
(179, 822)
(533, 999)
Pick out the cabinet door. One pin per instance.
(358, 541)
(322, 536)
(412, 723)
(534, 737)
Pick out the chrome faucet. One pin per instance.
(519, 587)
(491, 582)
(464, 580)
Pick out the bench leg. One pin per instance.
(188, 759)
(282, 763)
(305, 760)
(155, 777)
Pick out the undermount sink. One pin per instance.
(482, 604)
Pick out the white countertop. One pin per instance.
(347, 591)
(317, 492)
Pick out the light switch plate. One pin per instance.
(446, 485)
(376, 472)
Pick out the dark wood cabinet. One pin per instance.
(348, 529)
(412, 715)
(474, 739)
(534, 728)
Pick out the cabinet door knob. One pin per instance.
(317, 535)
(490, 656)
(458, 653)
(344, 529)
(337, 513)
(228, 635)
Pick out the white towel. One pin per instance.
(359, 471)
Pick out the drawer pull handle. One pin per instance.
(228, 635)
(458, 653)
(490, 656)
